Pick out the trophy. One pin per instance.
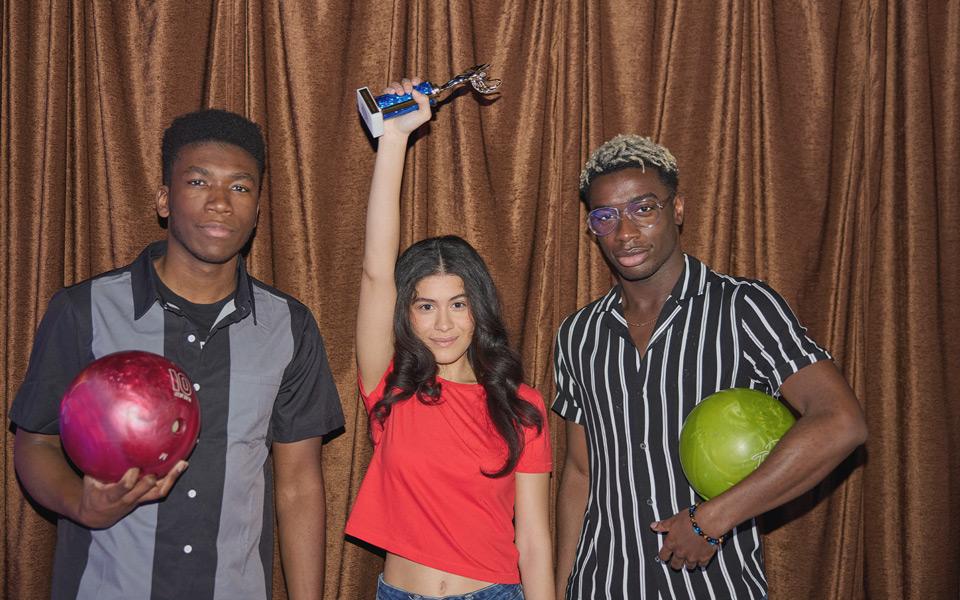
(374, 109)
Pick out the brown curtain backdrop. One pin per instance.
(819, 148)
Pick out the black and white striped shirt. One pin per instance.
(714, 332)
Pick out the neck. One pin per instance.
(646, 296)
(197, 282)
(459, 371)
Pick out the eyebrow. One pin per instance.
(639, 198)
(422, 299)
(206, 172)
(646, 196)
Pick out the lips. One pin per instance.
(444, 342)
(216, 230)
(632, 257)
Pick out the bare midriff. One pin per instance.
(426, 581)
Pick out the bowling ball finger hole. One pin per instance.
(177, 426)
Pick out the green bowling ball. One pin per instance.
(728, 435)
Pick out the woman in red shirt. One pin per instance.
(456, 492)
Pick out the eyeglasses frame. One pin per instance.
(660, 204)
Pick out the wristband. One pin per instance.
(696, 528)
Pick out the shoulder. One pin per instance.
(736, 287)
(77, 297)
(271, 303)
(753, 299)
(273, 296)
(580, 318)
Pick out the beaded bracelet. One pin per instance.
(696, 528)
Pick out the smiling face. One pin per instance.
(212, 202)
(440, 317)
(638, 254)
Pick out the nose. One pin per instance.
(219, 199)
(626, 228)
(443, 322)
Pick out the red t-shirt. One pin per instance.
(424, 496)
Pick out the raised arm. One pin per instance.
(378, 292)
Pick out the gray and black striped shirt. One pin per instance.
(714, 332)
(261, 376)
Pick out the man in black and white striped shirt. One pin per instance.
(631, 365)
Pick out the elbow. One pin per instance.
(534, 549)
(859, 430)
(305, 495)
(852, 429)
(574, 478)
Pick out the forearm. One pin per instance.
(45, 473)
(382, 239)
(571, 503)
(301, 515)
(812, 448)
(302, 528)
(536, 568)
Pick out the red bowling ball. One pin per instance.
(129, 409)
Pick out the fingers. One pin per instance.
(114, 492)
(142, 487)
(659, 527)
(678, 562)
(404, 86)
(166, 484)
(679, 557)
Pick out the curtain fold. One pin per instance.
(818, 146)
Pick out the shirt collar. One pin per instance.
(691, 283)
(145, 292)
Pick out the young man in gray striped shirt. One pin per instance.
(631, 365)
(258, 365)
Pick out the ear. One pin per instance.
(163, 201)
(678, 210)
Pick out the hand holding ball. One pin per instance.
(129, 409)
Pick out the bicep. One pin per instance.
(27, 446)
(375, 329)
(576, 455)
(819, 389)
(297, 466)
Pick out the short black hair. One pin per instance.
(212, 125)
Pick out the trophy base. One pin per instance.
(370, 111)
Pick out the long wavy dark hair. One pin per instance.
(496, 366)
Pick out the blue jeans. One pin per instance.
(496, 591)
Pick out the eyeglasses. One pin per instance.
(642, 213)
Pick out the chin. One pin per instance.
(213, 257)
(447, 356)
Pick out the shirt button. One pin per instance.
(643, 445)
(191, 338)
(192, 494)
(650, 501)
(196, 387)
(187, 549)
